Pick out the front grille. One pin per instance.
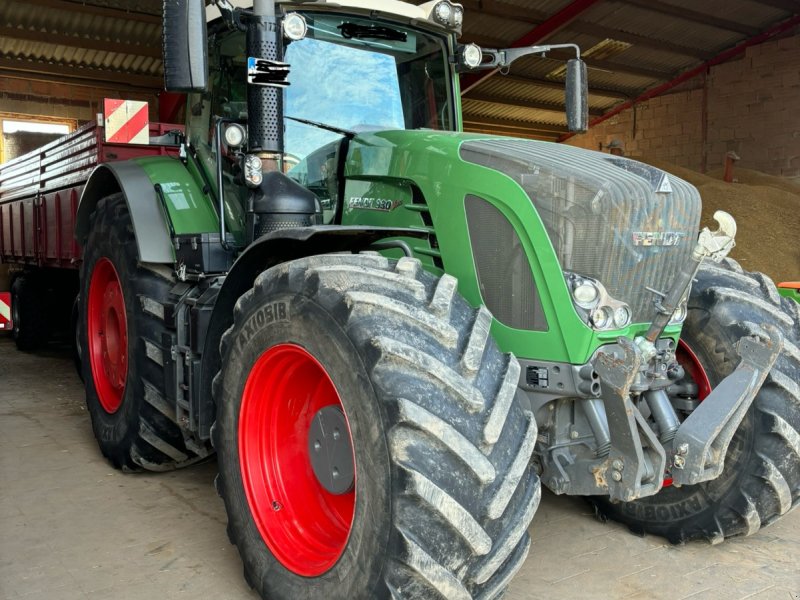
(504, 274)
(605, 215)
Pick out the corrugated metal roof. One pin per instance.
(120, 40)
(117, 40)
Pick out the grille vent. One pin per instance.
(504, 274)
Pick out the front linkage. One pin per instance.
(630, 457)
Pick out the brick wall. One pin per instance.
(753, 109)
(62, 99)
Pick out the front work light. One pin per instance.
(472, 55)
(294, 27)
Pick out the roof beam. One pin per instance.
(513, 125)
(96, 75)
(693, 16)
(74, 41)
(509, 12)
(561, 56)
(638, 40)
(695, 71)
(517, 103)
(791, 6)
(552, 25)
(102, 11)
(531, 135)
(559, 85)
(74, 82)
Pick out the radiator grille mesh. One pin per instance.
(504, 274)
(622, 222)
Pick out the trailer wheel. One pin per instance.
(123, 358)
(761, 478)
(29, 313)
(370, 438)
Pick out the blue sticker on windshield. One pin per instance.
(261, 71)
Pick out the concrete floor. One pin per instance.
(73, 528)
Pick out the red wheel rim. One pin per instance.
(304, 525)
(691, 364)
(107, 335)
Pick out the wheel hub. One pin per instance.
(297, 461)
(331, 451)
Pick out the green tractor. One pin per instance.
(392, 332)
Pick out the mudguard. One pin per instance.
(162, 197)
(149, 222)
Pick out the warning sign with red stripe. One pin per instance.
(126, 121)
(5, 310)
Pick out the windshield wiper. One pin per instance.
(375, 32)
(345, 132)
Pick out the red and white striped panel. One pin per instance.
(126, 121)
(5, 310)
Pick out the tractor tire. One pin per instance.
(75, 336)
(31, 327)
(434, 492)
(761, 478)
(123, 359)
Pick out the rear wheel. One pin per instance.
(761, 478)
(371, 443)
(123, 358)
(31, 327)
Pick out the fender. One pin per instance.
(274, 248)
(181, 207)
(149, 222)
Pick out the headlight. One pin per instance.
(448, 14)
(601, 317)
(595, 305)
(294, 26)
(252, 170)
(235, 135)
(622, 316)
(680, 314)
(472, 55)
(585, 294)
(442, 12)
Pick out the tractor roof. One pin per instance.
(394, 9)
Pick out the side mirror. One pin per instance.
(577, 96)
(185, 45)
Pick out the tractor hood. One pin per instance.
(620, 221)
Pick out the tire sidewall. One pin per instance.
(112, 430)
(693, 510)
(358, 571)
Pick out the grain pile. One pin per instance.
(767, 212)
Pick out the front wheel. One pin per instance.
(370, 440)
(761, 478)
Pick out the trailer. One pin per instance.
(39, 196)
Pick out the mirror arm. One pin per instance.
(504, 58)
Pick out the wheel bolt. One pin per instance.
(616, 475)
(317, 446)
(276, 506)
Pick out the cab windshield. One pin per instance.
(360, 75)
(348, 72)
